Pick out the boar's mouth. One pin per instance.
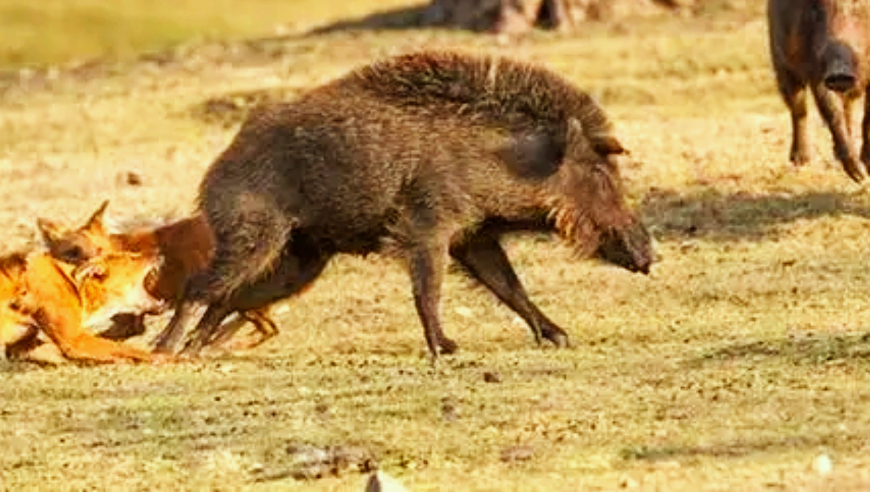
(629, 247)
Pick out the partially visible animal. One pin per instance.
(423, 156)
(46, 305)
(186, 246)
(823, 45)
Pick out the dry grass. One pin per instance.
(733, 366)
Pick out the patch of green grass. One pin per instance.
(56, 31)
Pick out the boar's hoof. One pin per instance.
(850, 165)
(448, 346)
(560, 340)
(799, 157)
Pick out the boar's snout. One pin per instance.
(629, 247)
(840, 73)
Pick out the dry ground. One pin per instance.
(734, 366)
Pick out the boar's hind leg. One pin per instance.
(484, 258)
(865, 131)
(170, 336)
(837, 120)
(426, 265)
(209, 322)
(795, 95)
(263, 324)
(294, 274)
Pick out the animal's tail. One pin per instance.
(248, 243)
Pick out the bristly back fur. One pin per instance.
(490, 89)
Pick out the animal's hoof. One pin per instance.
(448, 346)
(560, 340)
(853, 170)
(799, 159)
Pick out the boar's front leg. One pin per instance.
(426, 266)
(837, 120)
(484, 258)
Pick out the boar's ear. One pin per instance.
(95, 222)
(602, 143)
(49, 230)
(607, 145)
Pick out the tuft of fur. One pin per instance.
(493, 90)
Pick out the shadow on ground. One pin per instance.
(715, 215)
(809, 349)
(230, 109)
(740, 447)
(410, 17)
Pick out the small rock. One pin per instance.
(492, 377)
(131, 178)
(465, 312)
(626, 482)
(517, 453)
(822, 464)
(381, 482)
(323, 410)
(449, 409)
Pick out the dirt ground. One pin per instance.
(740, 363)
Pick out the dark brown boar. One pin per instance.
(823, 44)
(424, 156)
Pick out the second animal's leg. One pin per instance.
(263, 325)
(484, 258)
(229, 328)
(426, 265)
(795, 95)
(266, 328)
(44, 354)
(836, 119)
(296, 271)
